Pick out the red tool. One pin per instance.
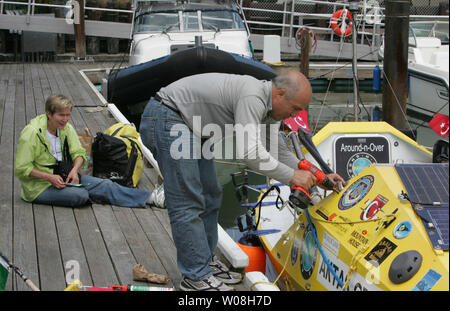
(322, 179)
(299, 196)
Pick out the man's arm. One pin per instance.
(249, 113)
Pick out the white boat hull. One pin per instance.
(428, 93)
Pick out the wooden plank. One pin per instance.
(53, 84)
(45, 85)
(4, 77)
(77, 120)
(81, 98)
(94, 121)
(99, 262)
(138, 242)
(59, 80)
(6, 169)
(24, 242)
(121, 255)
(163, 217)
(161, 242)
(82, 86)
(39, 99)
(69, 87)
(30, 107)
(98, 116)
(19, 106)
(6, 217)
(51, 271)
(72, 252)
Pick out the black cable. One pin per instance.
(262, 198)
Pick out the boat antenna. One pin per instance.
(354, 8)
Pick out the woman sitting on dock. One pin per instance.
(47, 173)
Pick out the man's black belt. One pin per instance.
(159, 99)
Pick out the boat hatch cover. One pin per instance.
(427, 186)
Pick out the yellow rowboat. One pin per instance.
(386, 230)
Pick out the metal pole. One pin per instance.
(395, 64)
(355, 75)
(354, 8)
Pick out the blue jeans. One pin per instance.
(97, 190)
(192, 192)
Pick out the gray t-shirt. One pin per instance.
(214, 105)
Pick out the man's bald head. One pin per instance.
(291, 92)
(293, 82)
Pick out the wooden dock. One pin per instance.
(98, 244)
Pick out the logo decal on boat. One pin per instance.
(357, 239)
(294, 251)
(358, 162)
(373, 207)
(331, 243)
(356, 192)
(308, 254)
(402, 230)
(380, 252)
(428, 281)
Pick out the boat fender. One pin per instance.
(252, 246)
(405, 266)
(376, 79)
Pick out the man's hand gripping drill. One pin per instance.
(300, 197)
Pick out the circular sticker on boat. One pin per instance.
(356, 192)
(402, 230)
(308, 254)
(294, 251)
(358, 162)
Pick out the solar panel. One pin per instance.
(427, 186)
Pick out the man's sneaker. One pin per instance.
(157, 197)
(222, 273)
(209, 284)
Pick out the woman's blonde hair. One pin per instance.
(58, 102)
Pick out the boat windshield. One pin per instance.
(428, 29)
(157, 22)
(215, 20)
(222, 20)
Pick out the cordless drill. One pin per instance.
(299, 196)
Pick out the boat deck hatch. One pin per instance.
(427, 186)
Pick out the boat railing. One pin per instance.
(69, 5)
(286, 18)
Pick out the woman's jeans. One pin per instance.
(95, 189)
(192, 192)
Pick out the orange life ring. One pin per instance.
(337, 19)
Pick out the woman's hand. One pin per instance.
(73, 176)
(56, 181)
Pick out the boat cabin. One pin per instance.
(164, 27)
